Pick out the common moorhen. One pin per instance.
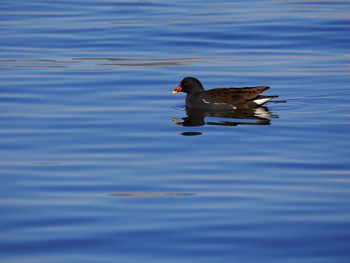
(221, 98)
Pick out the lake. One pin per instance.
(99, 162)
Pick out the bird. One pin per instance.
(221, 98)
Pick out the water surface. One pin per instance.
(96, 162)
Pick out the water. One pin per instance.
(97, 163)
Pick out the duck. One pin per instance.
(221, 98)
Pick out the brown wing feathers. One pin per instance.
(233, 95)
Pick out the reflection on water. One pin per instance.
(251, 116)
(83, 62)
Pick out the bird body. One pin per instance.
(221, 98)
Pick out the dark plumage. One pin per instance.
(221, 98)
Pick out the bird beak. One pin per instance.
(178, 89)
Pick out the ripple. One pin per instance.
(151, 194)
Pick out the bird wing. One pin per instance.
(233, 95)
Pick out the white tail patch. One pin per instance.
(261, 101)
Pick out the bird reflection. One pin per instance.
(253, 116)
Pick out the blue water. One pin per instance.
(100, 163)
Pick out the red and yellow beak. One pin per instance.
(178, 89)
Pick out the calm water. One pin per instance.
(100, 163)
